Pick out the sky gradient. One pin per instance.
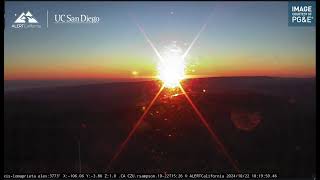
(241, 39)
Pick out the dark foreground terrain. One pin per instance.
(267, 125)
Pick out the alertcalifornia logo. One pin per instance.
(26, 20)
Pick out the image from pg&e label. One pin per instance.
(301, 13)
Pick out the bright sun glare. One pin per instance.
(171, 69)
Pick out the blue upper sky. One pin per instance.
(254, 34)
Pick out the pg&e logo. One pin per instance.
(301, 13)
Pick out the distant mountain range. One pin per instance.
(17, 85)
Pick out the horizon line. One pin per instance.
(155, 78)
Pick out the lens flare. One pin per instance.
(171, 70)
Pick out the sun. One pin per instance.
(171, 68)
